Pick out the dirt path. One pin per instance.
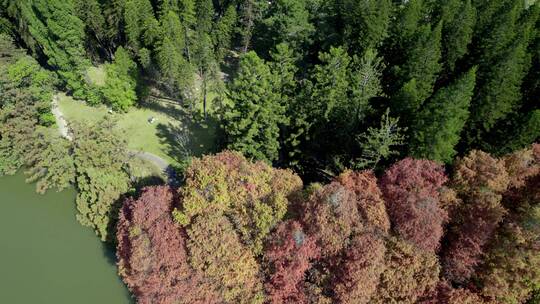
(60, 120)
(159, 162)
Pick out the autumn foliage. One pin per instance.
(411, 191)
(242, 232)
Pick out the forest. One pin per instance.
(305, 151)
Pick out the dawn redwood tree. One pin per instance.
(333, 213)
(411, 191)
(512, 263)
(479, 181)
(356, 277)
(409, 273)
(288, 255)
(216, 250)
(152, 254)
(254, 196)
(369, 199)
(444, 293)
(348, 219)
(511, 268)
(100, 158)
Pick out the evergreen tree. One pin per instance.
(223, 32)
(53, 30)
(458, 19)
(251, 12)
(175, 69)
(203, 56)
(252, 122)
(91, 13)
(417, 75)
(439, 124)
(365, 23)
(119, 89)
(285, 21)
(501, 40)
(141, 26)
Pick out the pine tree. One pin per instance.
(438, 126)
(250, 13)
(252, 122)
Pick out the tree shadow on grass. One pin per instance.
(190, 138)
(168, 107)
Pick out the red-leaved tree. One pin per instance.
(355, 279)
(288, 255)
(479, 180)
(152, 257)
(411, 189)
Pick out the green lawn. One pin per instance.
(96, 75)
(170, 136)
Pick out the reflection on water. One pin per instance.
(46, 257)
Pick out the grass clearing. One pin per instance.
(96, 75)
(172, 136)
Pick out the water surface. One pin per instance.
(46, 257)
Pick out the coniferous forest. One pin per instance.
(302, 151)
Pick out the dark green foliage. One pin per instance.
(51, 29)
(502, 37)
(285, 21)
(438, 126)
(458, 19)
(419, 72)
(254, 118)
(365, 23)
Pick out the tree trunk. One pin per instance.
(204, 96)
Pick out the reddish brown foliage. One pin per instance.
(288, 256)
(479, 180)
(356, 278)
(330, 216)
(444, 293)
(522, 165)
(369, 199)
(151, 253)
(512, 266)
(411, 190)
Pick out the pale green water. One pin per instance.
(46, 257)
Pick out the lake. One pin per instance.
(46, 256)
